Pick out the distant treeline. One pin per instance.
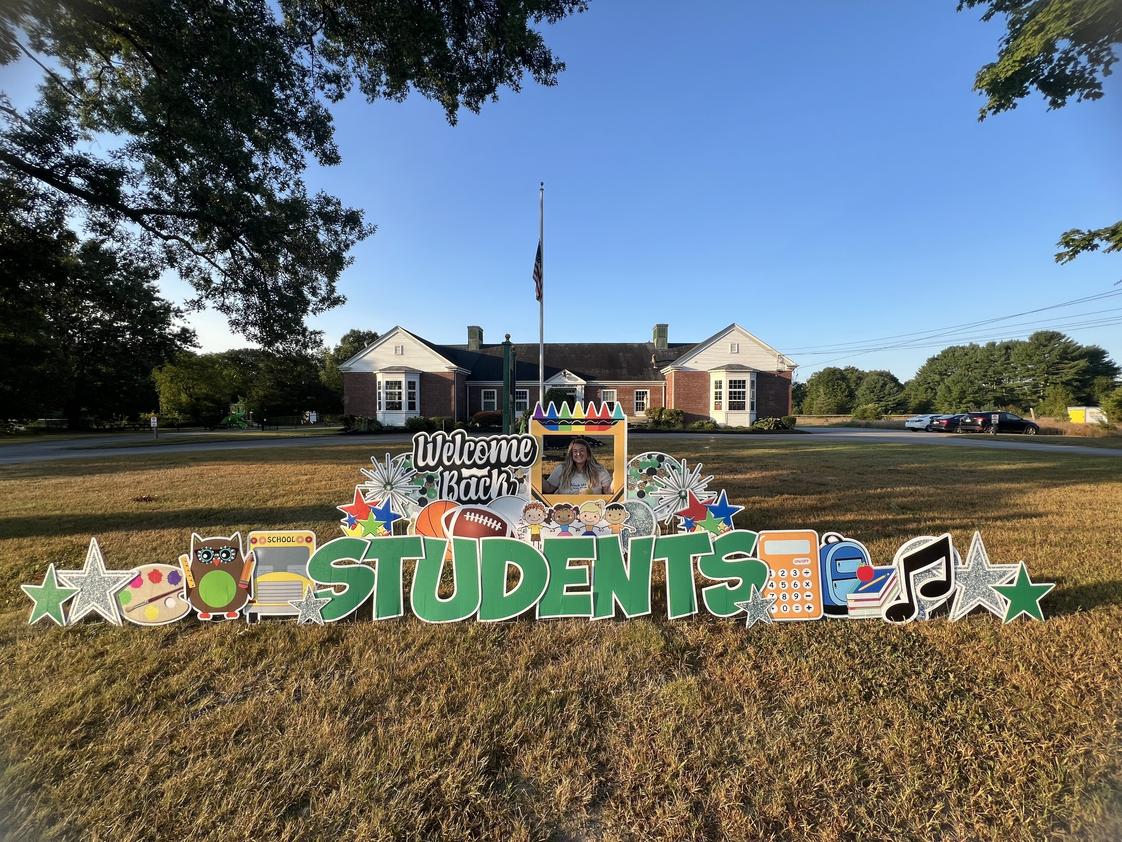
(1046, 373)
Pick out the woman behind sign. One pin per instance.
(580, 473)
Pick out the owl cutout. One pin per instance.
(218, 576)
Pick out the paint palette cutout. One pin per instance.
(155, 596)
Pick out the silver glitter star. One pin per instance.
(758, 608)
(974, 582)
(310, 608)
(97, 587)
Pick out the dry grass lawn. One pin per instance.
(642, 729)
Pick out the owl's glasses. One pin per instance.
(223, 555)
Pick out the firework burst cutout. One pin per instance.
(672, 489)
(393, 479)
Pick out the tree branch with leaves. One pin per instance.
(1063, 49)
(183, 127)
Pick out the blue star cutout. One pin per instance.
(688, 525)
(384, 513)
(352, 521)
(723, 510)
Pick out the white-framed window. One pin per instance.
(718, 394)
(399, 350)
(752, 395)
(521, 400)
(734, 347)
(738, 395)
(608, 396)
(642, 398)
(411, 395)
(489, 400)
(392, 390)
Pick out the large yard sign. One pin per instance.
(559, 521)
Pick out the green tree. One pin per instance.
(1100, 375)
(213, 109)
(923, 388)
(880, 389)
(1112, 406)
(284, 384)
(197, 387)
(1055, 402)
(798, 396)
(959, 392)
(352, 342)
(1063, 49)
(1046, 360)
(81, 324)
(828, 392)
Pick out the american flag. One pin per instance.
(538, 275)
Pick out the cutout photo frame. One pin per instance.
(591, 423)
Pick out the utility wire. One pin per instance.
(933, 333)
(996, 338)
(958, 336)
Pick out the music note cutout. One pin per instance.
(935, 553)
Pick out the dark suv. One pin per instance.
(1007, 422)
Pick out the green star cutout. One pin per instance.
(48, 598)
(711, 524)
(372, 526)
(1024, 596)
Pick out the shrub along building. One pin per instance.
(732, 377)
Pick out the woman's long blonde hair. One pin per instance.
(595, 471)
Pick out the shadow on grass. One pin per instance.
(1068, 599)
(209, 520)
(280, 456)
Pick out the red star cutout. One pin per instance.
(359, 509)
(695, 511)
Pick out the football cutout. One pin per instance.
(477, 522)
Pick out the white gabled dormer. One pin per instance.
(396, 361)
(398, 348)
(568, 381)
(732, 345)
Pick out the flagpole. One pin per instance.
(541, 300)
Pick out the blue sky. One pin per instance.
(815, 172)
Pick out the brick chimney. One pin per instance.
(475, 337)
(659, 336)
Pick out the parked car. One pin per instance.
(1007, 422)
(944, 423)
(919, 422)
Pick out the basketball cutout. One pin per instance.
(430, 521)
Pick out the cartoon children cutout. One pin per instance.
(563, 514)
(616, 515)
(534, 514)
(591, 512)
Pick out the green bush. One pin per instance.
(771, 425)
(666, 419)
(361, 424)
(705, 425)
(1055, 402)
(557, 397)
(867, 412)
(420, 424)
(1112, 406)
(790, 421)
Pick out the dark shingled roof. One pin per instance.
(601, 361)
